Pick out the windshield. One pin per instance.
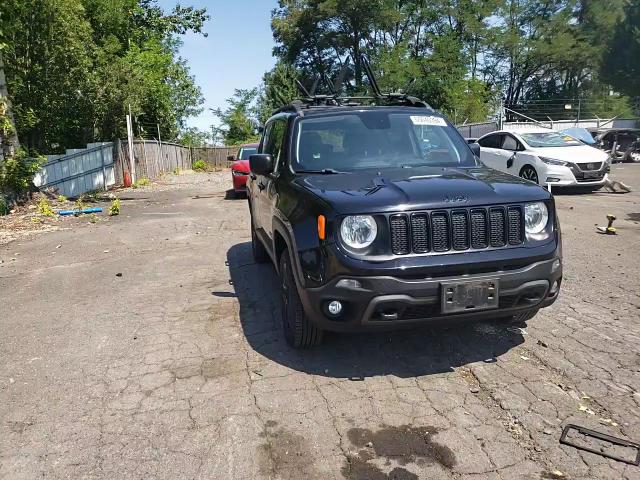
(245, 153)
(550, 139)
(370, 139)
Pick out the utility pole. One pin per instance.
(8, 145)
(132, 159)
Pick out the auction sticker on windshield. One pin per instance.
(428, 120)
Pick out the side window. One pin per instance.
(273, 141)
(509, 143)
(265, 139)
(491, 141)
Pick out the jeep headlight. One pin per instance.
(536, 216)
(358, 231)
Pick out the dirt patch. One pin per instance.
(286, 455)
(404, 444)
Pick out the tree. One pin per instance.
(279, 88)
(621, 66)
(238, 121)
(74, 67)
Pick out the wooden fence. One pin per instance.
(216, 157)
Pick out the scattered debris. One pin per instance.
(58, 246)
(608, 421)
(119, 274)
(523, 357)
(474, 390)
(602, 451)
(542, 344)
(584, 408)
(609, 229)
(547, 431)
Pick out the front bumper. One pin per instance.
(240, 182)
(559, 176)
(387, 302)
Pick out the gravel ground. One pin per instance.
(127, 353)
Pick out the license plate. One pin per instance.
(469, 296)
(591, 174)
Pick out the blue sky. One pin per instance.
(236, 53)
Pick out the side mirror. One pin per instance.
(261, 164)
(231, 158)
(511, 159)
(475, 149)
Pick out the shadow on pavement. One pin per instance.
(404, 353)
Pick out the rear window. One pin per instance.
(550, 139)
(245, 153)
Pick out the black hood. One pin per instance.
(422, 188)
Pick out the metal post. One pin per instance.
(130, 141)
(500, 113)
(104, 170)
(579, 105)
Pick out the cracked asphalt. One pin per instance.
(171, 371)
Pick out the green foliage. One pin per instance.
(61, 198)
(16, 173)
(114, 209)
(142, 182)
(279, 88)
(44, 208)
(176, 171)
(238, 121)
(74, 66)
(465, 54)
(200, 166)
(4, 207)
(192, 137)
(79, 206)
(621, 67)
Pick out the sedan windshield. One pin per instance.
(550, 139)
(372, 139)
(245, 153)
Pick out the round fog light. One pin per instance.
(554, 288)
(334, 307)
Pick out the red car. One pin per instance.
(240, 167)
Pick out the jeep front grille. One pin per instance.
(457, 229)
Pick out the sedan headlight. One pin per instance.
(358, 231)
(553, 161)
(536, 216)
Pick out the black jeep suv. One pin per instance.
(382, 216)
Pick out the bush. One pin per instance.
(200, 166)
(16, 173)
(114, 209)
(4, 208)
(44, 208)
(143, 182)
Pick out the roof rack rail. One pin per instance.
(310, 99)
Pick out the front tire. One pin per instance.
(529, 173)
(299, 331)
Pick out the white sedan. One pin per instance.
(545, 157)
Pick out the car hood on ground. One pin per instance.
(577, 154)
(426, 188)
(241, 166)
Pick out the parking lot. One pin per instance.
(149, 346)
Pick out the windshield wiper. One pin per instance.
(324, 171)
